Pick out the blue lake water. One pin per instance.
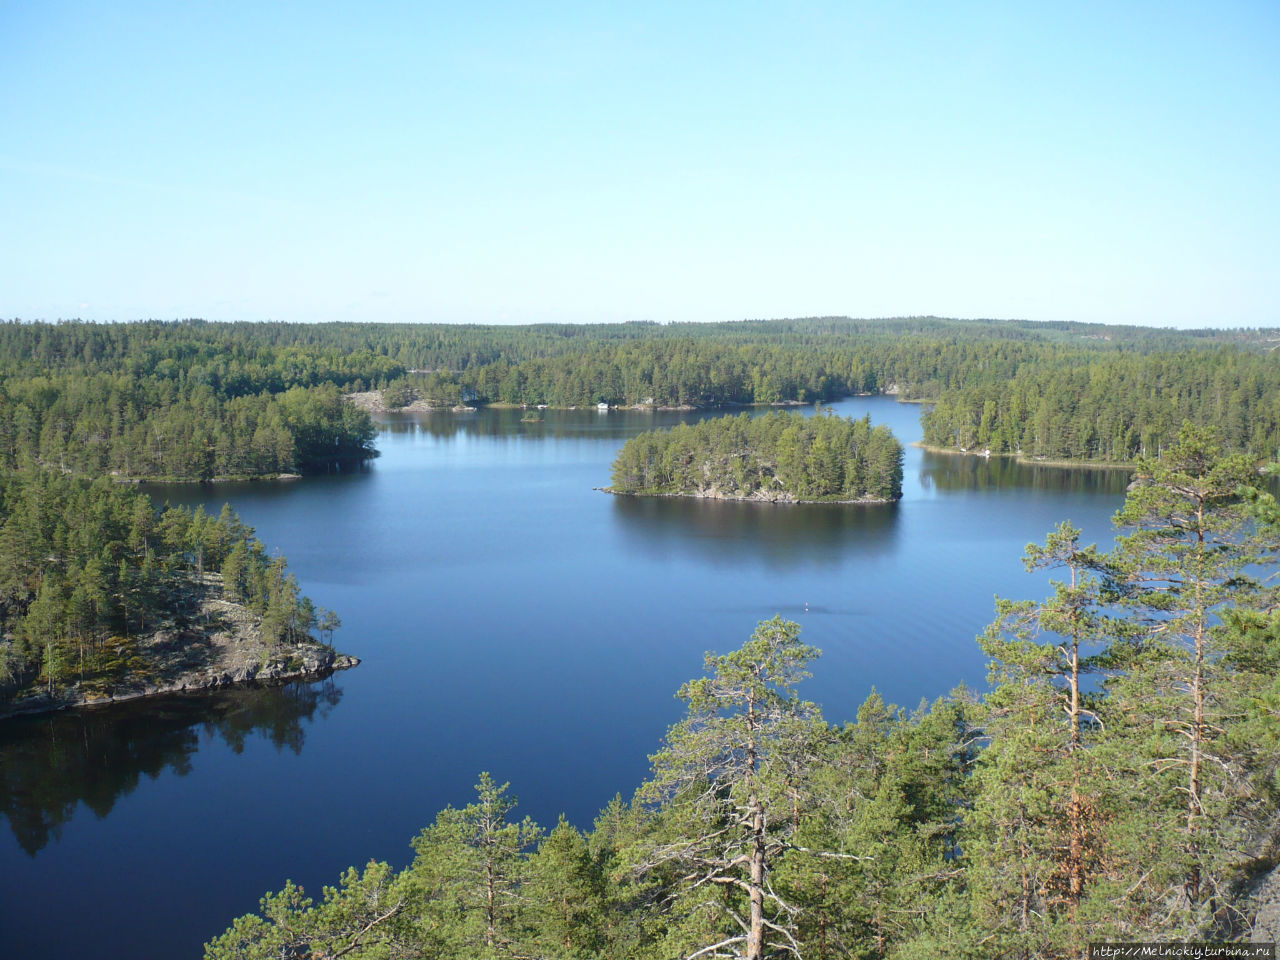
(513, 619)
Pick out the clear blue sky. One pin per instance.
(505, 162)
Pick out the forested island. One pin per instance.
(778, 457)
(1117, 783)
(103, 598)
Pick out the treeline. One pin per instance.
(1116, 408)
(1117, 783)
(177, 401)
(194, 399)
(107, 424)
(86, 567)
(776, 456)
(782, 361)
(232, 359)
(289, 352)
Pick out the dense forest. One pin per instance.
(1118, 782)
(163, 401)
(1114, 409)
(87, 567)
(196, 400)
(780, 456)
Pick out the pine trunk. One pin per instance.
(755, 936)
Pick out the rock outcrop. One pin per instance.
(371, 400)
(213, 643)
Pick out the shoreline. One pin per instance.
(1023, 460)
(245, 478)
(371, 400)
(309, 470)
(272, 675)
(208, 642)
(772, 501)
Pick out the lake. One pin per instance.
(512, 619)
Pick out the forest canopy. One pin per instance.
(196, 400)
(778, 456)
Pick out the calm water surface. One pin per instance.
(511, 619)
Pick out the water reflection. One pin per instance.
(334, 482)
(513, 423)
(50, 764)
(443, 425)
(955, 473)
(735, 533)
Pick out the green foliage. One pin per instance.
(1033, 841)
(470, 868)
(779, 455)
(361, 918)
(565, 888)
(178, 401)
(727, 776)
(399, 393)
(1115, 406)
(86, 565)
(1186, 565)
(761, 831)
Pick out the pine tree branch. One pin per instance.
(356, 941)
(715, 946)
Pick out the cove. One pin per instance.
(510, 618)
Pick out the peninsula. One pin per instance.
(102, 598)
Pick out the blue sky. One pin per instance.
(502, 162)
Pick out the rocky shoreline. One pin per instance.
(371, 401)
(215, 643)
(270, 674)
(1022, 459)
(759, 496)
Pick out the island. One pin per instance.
(104, 598)
(782, 457)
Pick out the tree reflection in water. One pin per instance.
(958, 473)
(734, 533)
(50, 764)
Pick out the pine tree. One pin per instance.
(1184, 564)
(565, 893)
(1038, 782)
(364, 918)
(721, 779)
(469, 869)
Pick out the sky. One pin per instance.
(489, 162)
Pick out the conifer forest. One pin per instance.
(1117, 778)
